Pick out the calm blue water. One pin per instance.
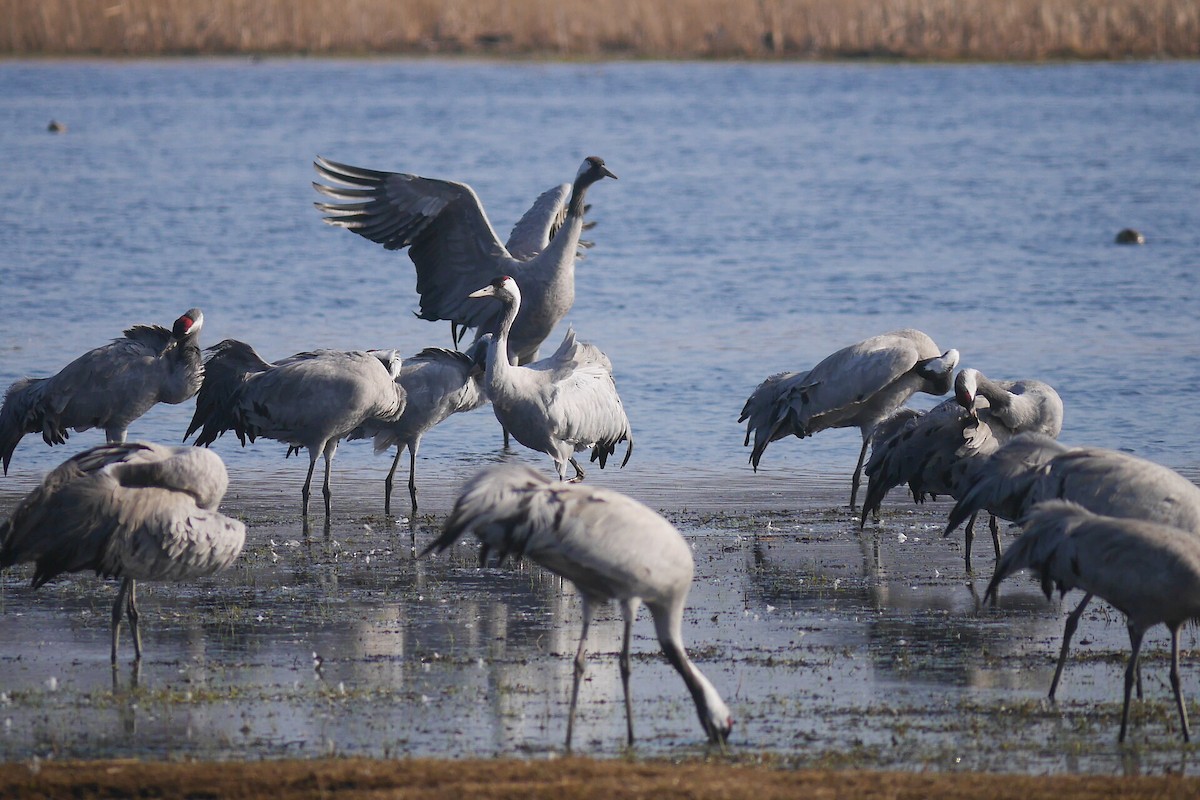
(765, 216)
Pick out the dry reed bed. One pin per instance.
(991, 30)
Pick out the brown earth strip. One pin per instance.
(558, 779)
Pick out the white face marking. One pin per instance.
(950, 359)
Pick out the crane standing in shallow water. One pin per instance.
(560, 405)
(1147, 571)
(1033, 468)
(138, 512)
(856, 387)
(108, 387)
(437, 383)
(936, 452)
(311, 400)
(610, 547)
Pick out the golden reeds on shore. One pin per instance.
(991, 30)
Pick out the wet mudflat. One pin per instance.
(833, 648)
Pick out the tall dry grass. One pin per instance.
(921, 29)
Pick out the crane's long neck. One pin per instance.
(997, 395)
(498, 364)
(1018, 412)
(578, 190)
(563, 246)
(709, 705)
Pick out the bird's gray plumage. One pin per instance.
(559, 405)
(133, 511)
(609, 545)
(1033, 469)
(437, 383)
(108, 387)
(935, 453)
(855, 387)
(311, 400)
(456, 250)
(1146, 570)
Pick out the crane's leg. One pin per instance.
(330, 449)
(1135, 641)
(578, 470)
(968, 540)
(131, 611)
(629, 609)
(857, 479)
(994, 527)
(1183, 721)
(115, 436)
(580, 664)
(387, 482)
(118, 610)
(306, 491)
(1068, 632)
(412, 473)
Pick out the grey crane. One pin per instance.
(1033, 468)
(855, 387)
(1148, 571)
(311, 400)
(934, 453)
(610, 547)
(108, 387)
(136, 511)
(456, 250)
(559, 405)
(437, 383)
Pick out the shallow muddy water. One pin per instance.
(832, 648)
(765, 216)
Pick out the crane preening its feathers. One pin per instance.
(936, 452)
(609, 546)
(132, 511)
(856, 387)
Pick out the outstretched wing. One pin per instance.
(450, 239)
(537, 227)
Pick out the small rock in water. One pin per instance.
(56, 127)
(1130, 236)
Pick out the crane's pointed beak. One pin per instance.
(486, 291)
(608, 172)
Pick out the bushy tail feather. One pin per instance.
(228, 365)
(37, 531)
(497, 505)
(888, 466)
(1003, 483)
(22, 413)
(768, 413)
(1044, 547)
